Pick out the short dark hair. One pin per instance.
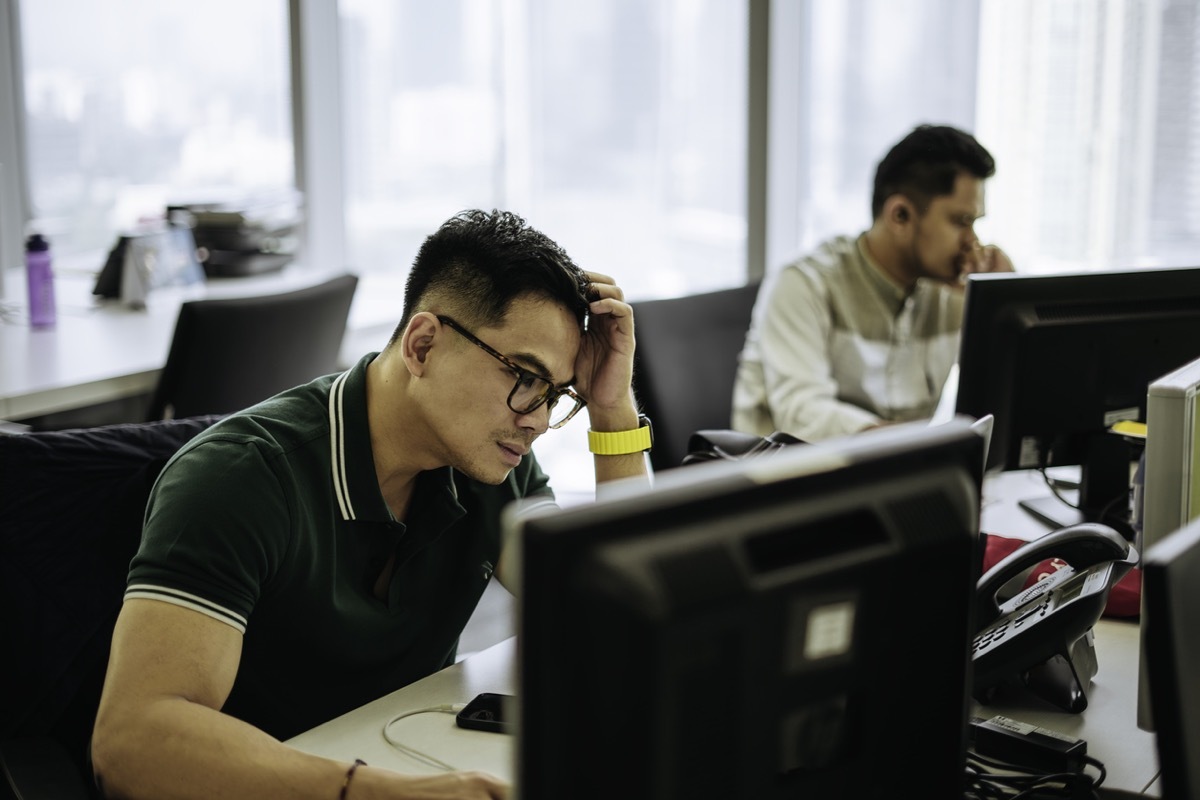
(477, 263)
(924, 164)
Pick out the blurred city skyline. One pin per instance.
(619, 127)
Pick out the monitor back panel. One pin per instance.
(767, 638)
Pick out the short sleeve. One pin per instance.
(217, 527)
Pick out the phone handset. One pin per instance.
(1041, 638)
(1081, 546)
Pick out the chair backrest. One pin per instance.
(685, 364)
(228, 354)
(71, 509)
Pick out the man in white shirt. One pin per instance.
(864, 330)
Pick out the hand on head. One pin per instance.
(604, 366)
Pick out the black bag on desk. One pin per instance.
(727, 445)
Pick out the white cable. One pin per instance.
(428, 760)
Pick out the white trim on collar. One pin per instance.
(337, 446)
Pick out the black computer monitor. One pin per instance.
(793, 625)
(1171, 636)
(1058, 359)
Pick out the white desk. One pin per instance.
(1001, 515)
(359, 734)
(1109, 724)
(97, 353)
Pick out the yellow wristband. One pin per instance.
(619, 443)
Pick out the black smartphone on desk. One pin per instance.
(486, 713)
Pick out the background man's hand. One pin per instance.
(987, 258)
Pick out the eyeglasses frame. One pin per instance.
(550, 398)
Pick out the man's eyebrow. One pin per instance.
(539, 368)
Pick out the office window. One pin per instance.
(850, 78)
(1088, 107)
(615, 126)
(132, 104)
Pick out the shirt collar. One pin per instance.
(351, 460)
(888, 290)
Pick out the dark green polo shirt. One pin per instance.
(272, 522)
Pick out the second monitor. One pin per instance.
(1059, 359)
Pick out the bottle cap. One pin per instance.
(36, 243)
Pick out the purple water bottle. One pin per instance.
(40, 277)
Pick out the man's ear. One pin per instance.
(417, 341)
(899, 210)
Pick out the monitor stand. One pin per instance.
(1053, 512)
(1104, 483)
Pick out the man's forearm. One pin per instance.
(618, 468)
(186, 751)
(173, 748)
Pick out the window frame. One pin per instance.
(14, 183)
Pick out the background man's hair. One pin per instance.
(478, 262)
(924, 164)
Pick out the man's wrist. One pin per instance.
(637, 438)
(622, 416)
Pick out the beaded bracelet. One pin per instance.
(358, 762)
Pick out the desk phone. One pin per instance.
(1041, 639)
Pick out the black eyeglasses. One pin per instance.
(531, 390)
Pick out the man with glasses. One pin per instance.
(327, 546)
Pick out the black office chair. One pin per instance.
(685, 364)
(71, 511)
(228, 354)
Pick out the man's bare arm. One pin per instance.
(160, 734)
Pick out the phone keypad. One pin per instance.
(996, 633)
